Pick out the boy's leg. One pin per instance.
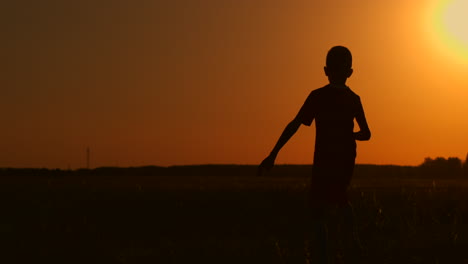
(353, 249)
(316, 240)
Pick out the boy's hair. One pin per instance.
(339, 58)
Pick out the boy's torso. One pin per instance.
(335, 110)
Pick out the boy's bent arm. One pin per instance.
(364, 133)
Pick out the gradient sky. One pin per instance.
(216, 81)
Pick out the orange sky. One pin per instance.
(196, 82)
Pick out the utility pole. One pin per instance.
(88, 153)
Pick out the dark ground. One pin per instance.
(85, 219)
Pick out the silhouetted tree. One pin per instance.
(427, 162)
(442, 167)
(465, 166)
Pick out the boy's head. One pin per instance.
(339, 64)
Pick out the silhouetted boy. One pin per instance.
(334, 108)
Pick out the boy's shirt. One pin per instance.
(334, 109)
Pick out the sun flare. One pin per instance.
(449, 26)
(455, 20)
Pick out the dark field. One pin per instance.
(219, 219)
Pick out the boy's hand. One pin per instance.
(266, 164)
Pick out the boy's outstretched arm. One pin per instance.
(288, 132)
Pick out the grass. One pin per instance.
(219, 219)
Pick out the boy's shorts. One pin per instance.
(329, 183)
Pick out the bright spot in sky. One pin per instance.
(448, 27)
(455, 20)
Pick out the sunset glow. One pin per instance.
(202, 82)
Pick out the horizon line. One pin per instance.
(192, 165)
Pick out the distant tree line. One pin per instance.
(430, 168)
(442, 167)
